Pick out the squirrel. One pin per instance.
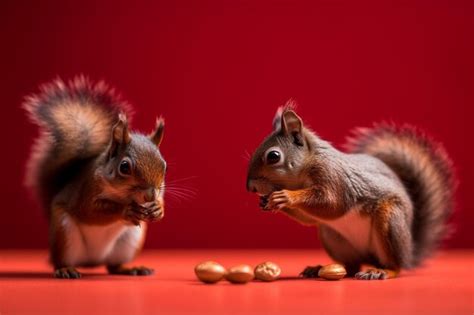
(384, 202)
(98, 181)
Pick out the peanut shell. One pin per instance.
(240, 274)
(210, 271)
(332, 272)
(267, 271)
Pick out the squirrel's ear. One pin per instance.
(157, 135)
(120, 134)
(292, 125)
(277, 119)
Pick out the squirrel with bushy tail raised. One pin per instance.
(98, 181)
(384, 202)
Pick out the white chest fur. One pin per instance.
(115, 243)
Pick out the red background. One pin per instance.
(217, 70)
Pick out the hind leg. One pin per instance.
(60, 230)
(126, 248)
(338, 249)
(394, 222)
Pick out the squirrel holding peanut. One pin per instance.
(98, 181)
(384, 202)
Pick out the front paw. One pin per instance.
(135, 213)
(155, 214)
(151, 211)
(279, 200)
(263, 202)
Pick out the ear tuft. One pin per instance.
(290, 105)
(277, 119)
(157, 135)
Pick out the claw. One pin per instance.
(136, 213)
(278, 200)
(132, 271)
(371, 274)
(67, 273)
(263, 203)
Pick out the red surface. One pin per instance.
(444, 286)
(217, 70)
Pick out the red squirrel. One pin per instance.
(384, 202)
(98, 181)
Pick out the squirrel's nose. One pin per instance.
(149, 194)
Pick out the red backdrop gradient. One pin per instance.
(217, 70)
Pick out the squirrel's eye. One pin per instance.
(125, 167)
(273, 157)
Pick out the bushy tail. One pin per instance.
(75, 121)
(426, 171)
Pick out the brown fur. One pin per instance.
(426, 171)
(385, 211)
(75, 121)
(396, 176)
(75, 165)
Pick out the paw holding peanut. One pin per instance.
(279, 199)
(276, 200)
(150, 211)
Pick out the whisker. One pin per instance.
(180, 188)
(180, 198)
(182, 192)
(176, 191)
(246, 156)
(178, 180)
(176, 185)
(184, 189)
(173, 200)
